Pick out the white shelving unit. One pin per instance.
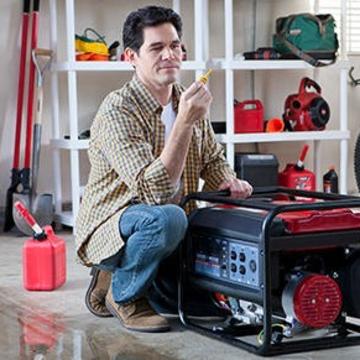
(228, 64)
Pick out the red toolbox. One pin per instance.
(248, 116)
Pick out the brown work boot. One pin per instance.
(137, 315)
(96, 293)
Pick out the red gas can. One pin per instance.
(301, 179)
(44, 262)
(44, 256)
(248, 116)
(296, 176)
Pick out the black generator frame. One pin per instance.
(267, 245)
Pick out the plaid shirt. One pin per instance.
(127, 138)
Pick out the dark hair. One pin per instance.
(137, 20)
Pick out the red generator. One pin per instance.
(285, 271)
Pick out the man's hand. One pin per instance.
(194, 103)
(240, 189)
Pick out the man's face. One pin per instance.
(159, 58)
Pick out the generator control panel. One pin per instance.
(226, 259)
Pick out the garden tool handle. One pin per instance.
(21, 89)
(23, 211)
(31, 88)
(36, 5)
(39, 52)
(39, 105)
(42, 52)
(36, 155)
(26, 6)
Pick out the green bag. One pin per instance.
(308, 37)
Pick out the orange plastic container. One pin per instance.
(44, 262)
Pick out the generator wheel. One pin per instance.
(357, 161)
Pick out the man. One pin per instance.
(150, 144)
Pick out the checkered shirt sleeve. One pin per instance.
(215, 168)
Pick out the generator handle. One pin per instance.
(223, 196)
(211, 195)
(203, 196)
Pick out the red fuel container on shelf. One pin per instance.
(248, 116)
(44, 257)
(296, 176)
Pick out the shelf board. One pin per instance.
(69, 144)
(234, 64)
(114, 66)
(219, 64)
(236, 138)
(283, 136)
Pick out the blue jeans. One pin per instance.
(151, 233)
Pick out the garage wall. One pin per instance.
(107, 17)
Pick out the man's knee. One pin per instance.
(166, 224)
(173, 223)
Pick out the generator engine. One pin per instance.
(310, 293)
(313, 300)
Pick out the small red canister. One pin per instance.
(248, 116)
(44, 256)
(44, 262)
(296, 176)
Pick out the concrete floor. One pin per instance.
(60, 320)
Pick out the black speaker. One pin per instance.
(258, 169)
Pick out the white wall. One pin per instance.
(107, 17)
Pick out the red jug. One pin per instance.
(296, 176)
(44, 262)
(44, 256)
(248, 116)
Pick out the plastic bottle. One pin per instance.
(330, 181)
